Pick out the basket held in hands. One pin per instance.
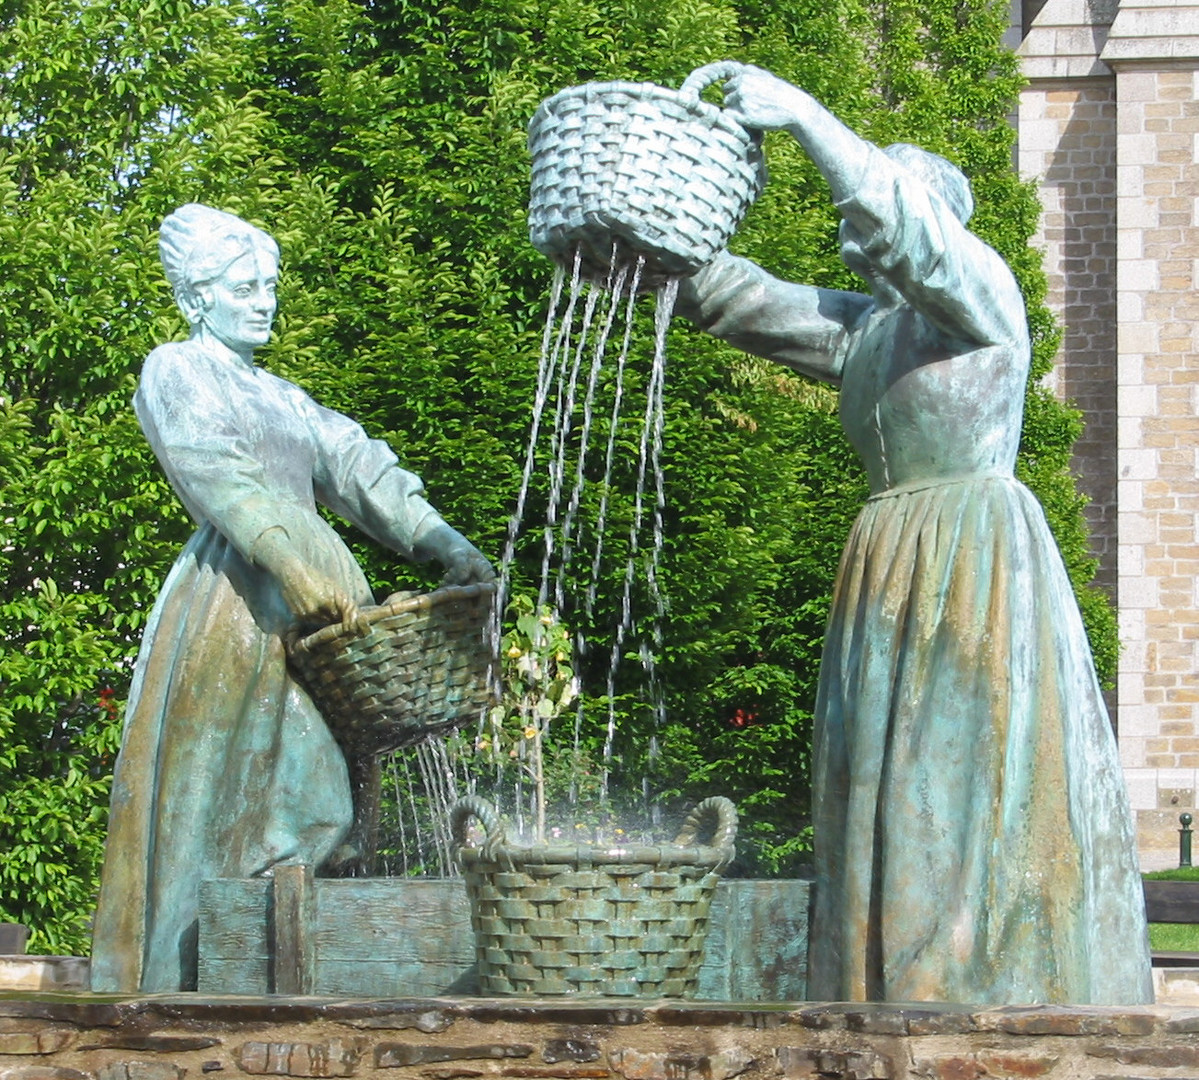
(423, 666)
(645, 169)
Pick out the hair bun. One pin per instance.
(196, 243)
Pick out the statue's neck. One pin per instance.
(214, 345)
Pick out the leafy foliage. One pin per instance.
(538, 686)
(382, 143)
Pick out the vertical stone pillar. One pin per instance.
(1067, 142)
(1158, 445)
(1072, 146)
(1113, 99)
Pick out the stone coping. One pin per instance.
(189, 1036)
(36, 974)
(435, 1015)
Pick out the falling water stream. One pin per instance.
(562, 366)
(583, 318)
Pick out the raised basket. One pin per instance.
(642, 168)
(603, 921)
(421, 667)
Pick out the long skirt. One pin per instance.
(973, 837)
(226, 767)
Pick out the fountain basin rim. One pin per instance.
(605, 855)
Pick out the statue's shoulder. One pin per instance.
(172, 356)
(174, 372)
(304, 404)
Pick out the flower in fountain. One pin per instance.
(538, 686)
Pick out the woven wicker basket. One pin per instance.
(651, 171)
(558, 919)
(421, 667)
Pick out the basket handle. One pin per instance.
(715, 813)
(703, 77)
(472, 806)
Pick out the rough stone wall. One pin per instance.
(1158, 449)
(188, 1037)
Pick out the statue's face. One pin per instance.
(240, 304)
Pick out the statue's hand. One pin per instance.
(314, 598)
(465, 564)
(759, 99)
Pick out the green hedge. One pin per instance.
(382, 143)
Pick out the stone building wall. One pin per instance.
(1158, 447)
(1110, 126)
(1068, 139)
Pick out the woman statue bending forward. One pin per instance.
(226, 768)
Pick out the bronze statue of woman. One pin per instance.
(226, 768)
(973, 837)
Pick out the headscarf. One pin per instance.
(197, 244)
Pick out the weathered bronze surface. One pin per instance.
(226, 767)
(973, 837)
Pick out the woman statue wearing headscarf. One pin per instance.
(973, 838)
(226, 768)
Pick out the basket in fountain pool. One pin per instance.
(622, 170)
(591, 919)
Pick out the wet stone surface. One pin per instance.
(186, 1037)
(1171, 1056)
(591, 1013)
(427, 1020)
(1059, 1020)
(988, 1063)
(579, 1049)
(716, 1016)
(856, 1064)
(43, 1041)
(42, 1072)
(394, 1055)
(155, 1044)
(327, 1059)
(676, 1065)
(140, 1070)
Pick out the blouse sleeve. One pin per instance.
(942, 269)
(800, 326)
(360, 479)
(192, 428)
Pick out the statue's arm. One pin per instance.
(360, 479)
(908, 233)
(192, 426)
(762, 100)
(925, 253)
(800, 326)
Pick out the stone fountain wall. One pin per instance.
(187, 1037)
(376, 937)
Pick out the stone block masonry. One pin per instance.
(1158, 443)
(189, 1037)
(1109, 128)
(1072, 147)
